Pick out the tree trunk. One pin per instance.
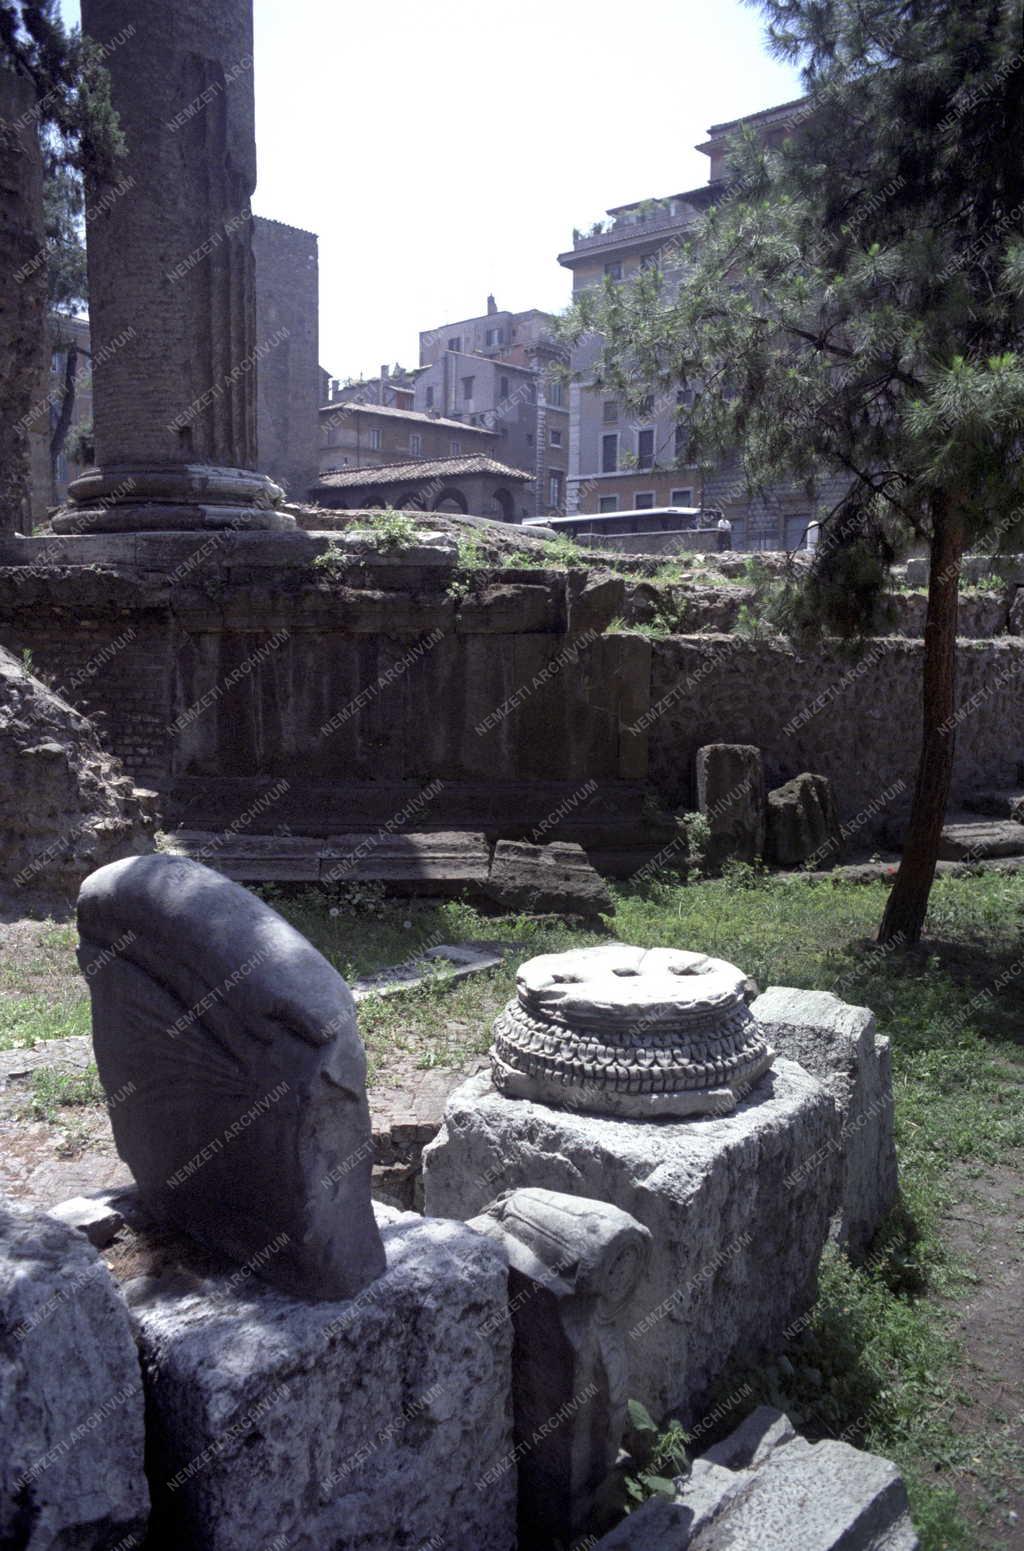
(67, 407)
(22, 299)
(907, 905)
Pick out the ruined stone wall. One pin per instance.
(855, 721)
(66, 806)
(235, 659)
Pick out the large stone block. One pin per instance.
(730, 794)
(573, 1267)
(838, 1043)
(378, 1423)
(803, 824)
(766, 1489)
(557, 876)
(71, 1403)
(738, 1208)
(233, 1048)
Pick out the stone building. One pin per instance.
(499, 371)
(622, 459)
(476, 485)
(288, 377)
(355, 435)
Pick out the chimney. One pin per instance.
(492, 306)
(384, 370)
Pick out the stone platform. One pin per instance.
(738, 1207)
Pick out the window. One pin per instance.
(610, 453)
(375, 440)
(467, 387)
(681, 498)
(645, 449)
(455, 344)
(555, 487)
(495, 337)
(455, 447)
(608, 503)
(646, 409)
(503, 387)
(556, 438)
(416, 444)
(613, 271)
(642, 500)
(611, 411)
(430, 398)
(649, 261)
(555, 394)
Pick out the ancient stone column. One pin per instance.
(171, 277)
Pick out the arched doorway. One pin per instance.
(451, 500)
(505, 504)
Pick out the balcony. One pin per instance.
(634, 231)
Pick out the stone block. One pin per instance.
(232, 1047)
(1015, 619)
(380, 1422)
(71, 1424)
(556, 877)
(738, 1208)
(573, 1267)
(94, 1217)
(789, 1493)
(506, 607)
(839, 1045)
(803, 824)
(730, 794)
(411, 860)
(979, 842)
(595, 598)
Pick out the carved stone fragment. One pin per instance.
(630, 1031)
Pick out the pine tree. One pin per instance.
(853, 305)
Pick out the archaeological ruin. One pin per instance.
(521, 1275)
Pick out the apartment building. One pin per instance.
(623, 459)
(355, 435)
(499, 372)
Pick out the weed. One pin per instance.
(52, 1090)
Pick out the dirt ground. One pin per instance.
(985, 1229)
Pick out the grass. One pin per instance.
(26, 1019)
(876, 1362)
(52, 1091)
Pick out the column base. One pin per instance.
(128, 498)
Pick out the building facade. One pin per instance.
(354, 435)
(500, 371)
(624, 459)
(288, 374)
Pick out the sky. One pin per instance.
(446, 151)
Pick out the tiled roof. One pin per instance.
(423, 469)
(414, 415)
